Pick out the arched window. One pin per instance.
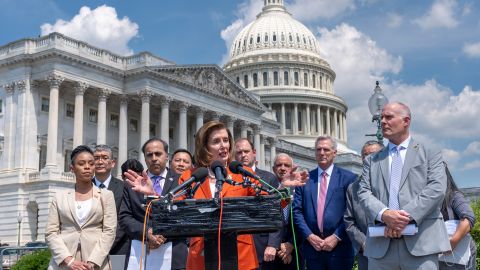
(290, 38)
(266, 37)
(314, 83)
(258, 39)
(238, 80)
(255, 80)
(275, 78)
(304, 41)
(305, 79)
(274, 37)
(320, 81)
(282, 37)
(285, 78)
(245, 81)
(265, 78)
(298, 39)
(295, 78)
(251, 40)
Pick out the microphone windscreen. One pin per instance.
(234, 165)
(215, 164)
(200, 174)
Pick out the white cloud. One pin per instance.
(247, 11)
(307, 10)
(100, 27)
(472, 165)
(394, 20)
(451, 157)
(473, 148)
(440, 15)
(472, 49)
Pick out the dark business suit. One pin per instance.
(262, 240)
(121, 245)
(132, 215)
(305, 217)
(356, 224)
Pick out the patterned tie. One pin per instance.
(156, 184)
(286, 213)
(395, 177)
(101, 185)
(321, 201)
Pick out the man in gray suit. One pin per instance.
(404, 184)
(354, 218)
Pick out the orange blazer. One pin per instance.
(247, 258)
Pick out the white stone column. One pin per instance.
(345, 128)
(199, 118)
(256, 141)
(145, 96)
(340, 125)
(21, 128)
(295, 119)
(335, 123)
(80, 88)
(102, 116)
(123, 131)
(282, 119)
(307, 125)
(182, 122)
(215, 116)
(273, 152)
(319, 121)
(261, 161)
(55, 81)
(243, 129)
(165, 106)
(230, 126)
(329, 130)
(8, 124)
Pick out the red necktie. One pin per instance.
(321, 201)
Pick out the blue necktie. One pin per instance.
(101, 185)
(395, 177)
(156, 184)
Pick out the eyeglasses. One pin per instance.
(98, 158)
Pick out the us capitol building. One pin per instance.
(57, 93)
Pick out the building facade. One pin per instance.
(57, 93)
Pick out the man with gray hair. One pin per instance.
(404, 185)
(355, 220)
(318, 209)
(104, 163)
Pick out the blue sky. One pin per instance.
(424, 53)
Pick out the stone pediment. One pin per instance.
(211, 79)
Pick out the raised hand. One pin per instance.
(140, 183)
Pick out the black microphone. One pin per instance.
(218, 168)
(237, 168)
(198, 176)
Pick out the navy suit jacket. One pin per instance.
(305, 212)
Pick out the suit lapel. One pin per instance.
(410, 158)
(168, 183)
(205, 188)
(72, 206)
(313, 182)
(332, 185)
(384, 167)
(96, 203)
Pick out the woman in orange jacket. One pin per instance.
(214, 142)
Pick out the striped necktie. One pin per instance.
(156, 184)
(321, 201)
(395, 178)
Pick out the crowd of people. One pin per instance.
(395, 215)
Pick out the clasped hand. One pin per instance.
(396, 221)
(155, 241)
(319, 244)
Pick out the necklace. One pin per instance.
(79, 205)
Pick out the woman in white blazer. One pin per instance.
(82, 221)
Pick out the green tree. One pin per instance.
(36, 261)
(475, 232)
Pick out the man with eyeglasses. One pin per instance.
(104, 163)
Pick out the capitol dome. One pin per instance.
(277, 58)
(276, 31)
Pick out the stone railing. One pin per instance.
(51, 175)
(79, 48)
